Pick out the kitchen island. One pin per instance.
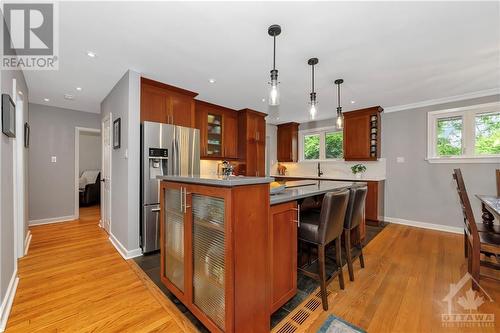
(227, 247)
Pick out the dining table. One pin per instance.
(490, 206)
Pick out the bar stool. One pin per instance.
(322, 229)
(354, 217)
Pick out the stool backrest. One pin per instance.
(331, 221)
(355, 214)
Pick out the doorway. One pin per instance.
(106, 174)
(88, 172)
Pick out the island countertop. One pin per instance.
(230, 181)
(301, 192)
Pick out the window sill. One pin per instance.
(462, 159)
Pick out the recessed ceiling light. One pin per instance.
(352, 102)
(263, 100)
(69, 96)
(20, 92)
(46, 99)
(79, 88)
(91, 54)
(211, 80)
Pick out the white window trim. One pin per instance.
(322, 142)
(468, 140)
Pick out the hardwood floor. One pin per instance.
(408, 273)
(73, 280)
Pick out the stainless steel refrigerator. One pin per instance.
(165, 150)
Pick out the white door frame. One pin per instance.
(107, 215)
(79, 130)
(18, 178)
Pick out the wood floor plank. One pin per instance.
(73, 280)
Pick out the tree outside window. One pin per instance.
(334, 146)
(311, 147)
(487, 134)
(449, 136)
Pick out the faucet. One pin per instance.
(320, 173)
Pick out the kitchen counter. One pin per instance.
(341, 178)
(230, 181)
(321, 187)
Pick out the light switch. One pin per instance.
(400, 159)
(53, 159)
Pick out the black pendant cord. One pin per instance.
(313, 79)
(274, 51)
(338, 96)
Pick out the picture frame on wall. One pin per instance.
(26, 135)
(8, 116)
(117, 133)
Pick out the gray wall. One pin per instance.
(7, 250)
(418, 190)
(53, 134)
(124, 102)
(90, 151)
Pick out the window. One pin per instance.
(334, 142)
(469, 134)
(311, 147)
(321, 144)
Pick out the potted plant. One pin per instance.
(358, 170)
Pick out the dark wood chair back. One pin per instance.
(469, 220)
(498, 182)
(470, 229)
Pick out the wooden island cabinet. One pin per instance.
(214, 251)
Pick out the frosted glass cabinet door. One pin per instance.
(174, 238)
(208, 257)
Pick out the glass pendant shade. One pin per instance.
(340, 122)
(313, 111)
(274, 93)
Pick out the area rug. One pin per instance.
(334, 324)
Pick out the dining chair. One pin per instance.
(321, 229)
(477, 243)
(354, 218)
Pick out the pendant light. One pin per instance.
(340, 117)
(274, 94)
(313, 110)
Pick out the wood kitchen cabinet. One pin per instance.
(282, 253)
(214, 253)
(252, 141)
(362, 134)
(218, 131)
(288, 142)
(166, 104)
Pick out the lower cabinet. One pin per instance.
(283, 253)
(214, 257)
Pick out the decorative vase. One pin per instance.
(358, 175)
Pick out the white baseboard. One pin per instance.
(27, 242)
(425, 225)
(7, 301)
(126, 254)
(53, 220)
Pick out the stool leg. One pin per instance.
(338, 256)
(361, 258)
(347, 245)
(322, 276)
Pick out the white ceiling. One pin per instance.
(389, 54)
